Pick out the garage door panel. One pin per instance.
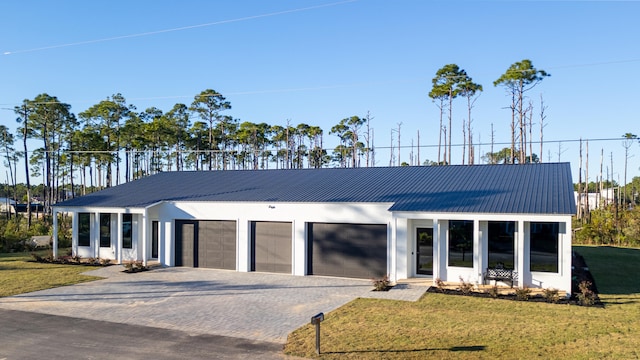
(271, 245)
(206, 243)
(185, 239)
(348, 250)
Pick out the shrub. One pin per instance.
(465, 286)
(586, 297)
(37, 257)
(381, 284)
(139, 265)
(493, 291)
(440, 285)
(128, 265)
(523, 293)
(105, 262)
(76, 258)
(551, 295)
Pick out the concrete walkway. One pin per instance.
(257, 306)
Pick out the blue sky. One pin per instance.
(319, 61)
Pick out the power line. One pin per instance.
(149, 33)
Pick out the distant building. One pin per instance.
(7, 205)
(594, 200)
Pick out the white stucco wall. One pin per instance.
(244, 213)
(401, 241)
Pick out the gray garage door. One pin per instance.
(206, 243)
(271, 246)
(347, 250)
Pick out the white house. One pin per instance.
(445, 222)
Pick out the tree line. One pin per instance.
(113, 141)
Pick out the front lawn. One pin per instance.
(19, 274)
(446, 326)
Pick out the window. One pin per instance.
(105, 230)
(544, 246)
(154, 239)
(501, 244)
(461, 243)
(127, 240)
(84, 229)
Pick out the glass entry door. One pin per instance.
(424, 251)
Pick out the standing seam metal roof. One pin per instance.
(524, 189)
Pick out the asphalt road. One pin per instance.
(27, 335)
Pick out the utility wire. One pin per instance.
(149, 33)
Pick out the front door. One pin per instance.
(424, 251)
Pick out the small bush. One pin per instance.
(37, 257)
(493, 291)
(551, 295)
(586, 297)
(76, 258)
(440, 285)
(105, 262)
(92, 260)
(465, 286)
(381, 284)
(139, 265)
(128, 265)
(523, 294)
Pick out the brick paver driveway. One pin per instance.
(255, 306)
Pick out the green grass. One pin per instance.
(457, 327)
(18, 274)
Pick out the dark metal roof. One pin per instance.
(523, 189)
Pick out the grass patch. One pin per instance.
(460, 327)
(19, 274)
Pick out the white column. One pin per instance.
(477, 251)
(95, 235)
(437, 245)
(119, 238)
(143, 241)
(520, 252)
(74, 233)
(55, 234)
(244, 245)
(299, 250)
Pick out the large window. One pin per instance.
(127, 240)
(84, 229)
(105, 230)
(544, 246)
(501, 244)
(461, 243)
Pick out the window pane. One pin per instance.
(84, 229)
(544, 247)
(461, 243)
(127, 241)
(105, 230)
(501, 240)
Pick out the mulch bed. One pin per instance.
(579, 273)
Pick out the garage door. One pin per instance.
(271, 246)
(206, 243)
(347, 250)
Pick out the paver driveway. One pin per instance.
(255, 306)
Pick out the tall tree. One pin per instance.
(208, 105)
(178, 122)
(23, 113)
(348, 130)
(46, 120)
(6, 142)
(469, 90)
(446, 87)
(519, 78)
(106, 117)
(629, 139)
